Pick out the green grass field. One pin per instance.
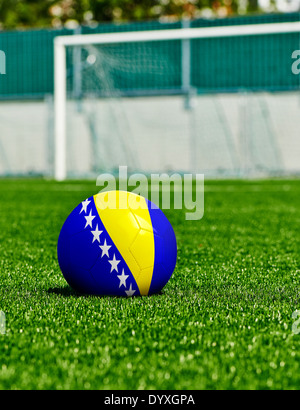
(224, 321)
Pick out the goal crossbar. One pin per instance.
(178, 34)
(60, 71)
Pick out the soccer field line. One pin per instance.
(251, 188)
(284, 187)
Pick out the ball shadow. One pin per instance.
(67, 291)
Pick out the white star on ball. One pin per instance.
(122, 279)
(114, 264)
(89, 220)
(96, 234)
(85, 204)
(105, 248)
(130, 292)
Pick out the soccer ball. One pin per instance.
(117, 243)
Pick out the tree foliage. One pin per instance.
(47, 13)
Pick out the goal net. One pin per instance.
(222, 101)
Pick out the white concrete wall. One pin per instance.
(229, 134)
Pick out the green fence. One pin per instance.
(228, 64)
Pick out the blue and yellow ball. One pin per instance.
(117, 243)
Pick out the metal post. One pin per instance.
(77, 80)
(60, 97)
(186, 60)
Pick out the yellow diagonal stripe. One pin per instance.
(130, 228)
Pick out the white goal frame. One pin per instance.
(60, 71)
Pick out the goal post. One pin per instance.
(60, 98)
(183, 34)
